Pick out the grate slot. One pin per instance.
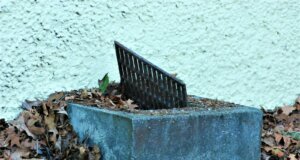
(147, 84)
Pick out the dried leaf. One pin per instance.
(82, 153)
(45, 110)
(279, 128)
(287, 141)
(26, 136)
(28, 144)
(31, 122)
(269, 141)
(52, 134)
(55, 97)
(15, 140)
(284, 126)
(278, 137)
(130, 105)
(267, 148)
(292, 157)
(50, 122)
(20, 123)
(72, 97)
(36, 130)
(287, 110)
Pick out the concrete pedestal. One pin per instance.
(225, 133)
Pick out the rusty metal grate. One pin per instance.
(147, 84)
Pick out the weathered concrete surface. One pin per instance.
(231, 134)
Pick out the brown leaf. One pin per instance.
(278, 137)
(62, 104)
(45, 109)
(82, 153)
(109, 102)
(55, 97)
(269, 141)
(49, 104)
(15, 140)
(267, 148)
(20, 123)
(130, 105)
(279, 128)
(36, 130)
(283, 118)
(292, 157)
(71, 97)
(31, 122)
(27, 143)
(52, 134)
(287, 141)
(290, 126)
(84, 94)
(287, 110)
(34, 114)
(50, 121)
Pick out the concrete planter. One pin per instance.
(225, 133)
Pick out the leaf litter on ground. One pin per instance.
(281, 133)
(43, 130)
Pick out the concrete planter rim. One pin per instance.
(173, 112)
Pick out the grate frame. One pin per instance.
(147, 84)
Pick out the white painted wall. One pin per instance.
(235, 50)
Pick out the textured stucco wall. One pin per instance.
(241, 51)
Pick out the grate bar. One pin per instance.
(147, 84)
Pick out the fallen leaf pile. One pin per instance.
(281, 133)
(112, 99)
(43, 131)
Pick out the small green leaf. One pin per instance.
(103, 83)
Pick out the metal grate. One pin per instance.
(147, 84)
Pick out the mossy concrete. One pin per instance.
(227, 133)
